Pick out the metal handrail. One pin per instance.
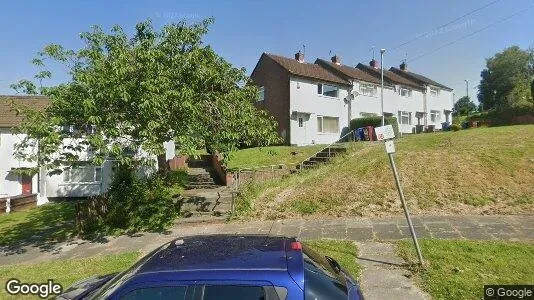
(329, 145)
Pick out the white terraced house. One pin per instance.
(310, 101)
(73, 183)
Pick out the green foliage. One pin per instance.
(506, 80)
(134, 204)
(459, 269)
(139, 204)
(375, 121)
(455, 127)
(140, 91)
(464, 106)
(505, 116)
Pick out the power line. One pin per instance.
(444, 25)
(473, 33)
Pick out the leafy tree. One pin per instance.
(464, 106)
(506, 80)
(129, 95)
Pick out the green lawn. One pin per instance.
(459, 269)
(65, 272)
(274, 155)
(53, 222)
(474, 171)
(344, 252)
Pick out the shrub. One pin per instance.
(455, 127)
(505, 116)
(132, 204)
(375, 121)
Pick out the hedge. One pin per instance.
(375, 121)
(508, 116)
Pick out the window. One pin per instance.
(327, 90)
(404, 92)
(321, 279)
(435, 116)
(434, 91)
(157, 293)
(368, 89)
(83, 174)
(230, 292)
(327, 124)
(261, 94)
(301, 122)
(405, 117)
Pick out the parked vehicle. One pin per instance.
(225, 267)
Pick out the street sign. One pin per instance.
(384, 133)
(390, 147)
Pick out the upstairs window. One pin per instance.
(368, 89)
(434, 91)
(404, 92)
(327, 90)
(261, 94)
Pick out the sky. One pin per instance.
(244, 29)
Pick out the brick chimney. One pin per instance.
(373, 63)
(299, 56)
(336, 59)
(404, 66)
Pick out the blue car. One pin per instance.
(225, 267)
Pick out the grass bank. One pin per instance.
(460, 269)
(274, 155)
(475, 171)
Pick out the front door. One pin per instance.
(26, 181)
(300, 136)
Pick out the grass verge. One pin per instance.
(344, 252)
(65, 272)
(458, 269)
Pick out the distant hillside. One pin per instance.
(475, 171)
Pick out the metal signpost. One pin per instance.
(386, 134)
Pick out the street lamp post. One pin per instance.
(382, 82)
(467, 88)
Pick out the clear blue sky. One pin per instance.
(244, 29)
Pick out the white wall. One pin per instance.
(54, 185)
(305, 100)
(393, 103)
(10, 183)
(442, 102)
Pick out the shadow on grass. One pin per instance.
(43, 227)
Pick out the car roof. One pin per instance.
(219, 253)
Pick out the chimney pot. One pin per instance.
(299, 56)
(404, 66)
(373, 63)
(336, 59)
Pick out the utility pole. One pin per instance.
(467, 88)
(382, 82)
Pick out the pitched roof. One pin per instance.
(9, 118)
(418, 78)
(390, 76)
(305, 69)
(347, 71)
